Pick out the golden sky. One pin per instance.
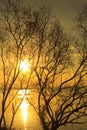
(64, 10)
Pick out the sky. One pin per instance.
(65, 10)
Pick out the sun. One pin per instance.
(24, 65)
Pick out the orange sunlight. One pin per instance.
(24, 108)
(23, 93)
(24, 105)
(24, 65)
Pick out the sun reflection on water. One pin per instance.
(24, 94)
(24, 108)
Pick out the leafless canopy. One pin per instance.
(59, 85)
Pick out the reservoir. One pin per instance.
(26, 118)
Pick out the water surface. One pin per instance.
(26, 118)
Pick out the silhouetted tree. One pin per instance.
(16, 30)
(57, 81)
(60, 74)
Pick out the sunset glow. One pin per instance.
(24, 65)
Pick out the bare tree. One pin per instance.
(60, 86)
(16, 30)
